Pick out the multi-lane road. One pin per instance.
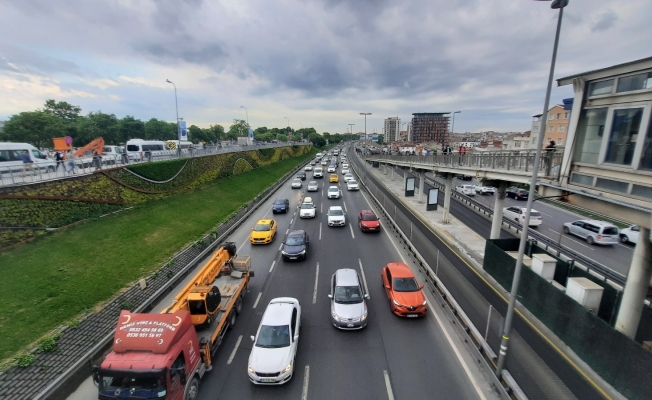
(390, 358)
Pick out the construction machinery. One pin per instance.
(164, 356)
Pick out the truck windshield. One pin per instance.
(123, 386)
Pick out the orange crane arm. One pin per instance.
(97, 145)
(205, 277)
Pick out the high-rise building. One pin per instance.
(391, 130)
(430, 128)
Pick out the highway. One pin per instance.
(392, 358)
(617, 257)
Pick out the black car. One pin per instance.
(295, 246)
(301, 175)
(465, 177)
(281, 205)
(518, 194)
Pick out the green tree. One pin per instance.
(216, 133)
(156, 129)
(381, 138)
(130, 128)
(64, 110)
(282, 138)
(98, 124)
(35, 127)
(237, 129)
(260, 130)
(195, 134)
(317, 140)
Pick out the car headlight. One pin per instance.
(424, 303)
(364, 316)
(396, 303)
(286, 369)
(335, 316)
(284, 253)
(302, 252)
(250, 369)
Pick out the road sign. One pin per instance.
(68, 140)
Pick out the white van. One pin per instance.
(11, 158)
(145, 149)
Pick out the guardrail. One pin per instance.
(548, 243)
(523, 161)
(57, 387)
(482, 348)
(51, 170)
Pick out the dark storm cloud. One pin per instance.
(24, 61)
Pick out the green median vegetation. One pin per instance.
(52, 280)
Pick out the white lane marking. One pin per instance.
(292, 220)
(237, 344)
(351, 226)
(280, 247)
(459, 356)
(287, 231)
(344, 202)
(321, 207)
(547, 215)
(314, 293)
(257, 299)
(273, 263)
(364, 279)
(320, 231)
(567, 237)
(388, 386)
(306, 378)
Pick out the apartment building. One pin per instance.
(430, 127)
(391, 129)
(556, 127)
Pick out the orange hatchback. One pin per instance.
(405, 295)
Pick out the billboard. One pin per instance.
(183, 132)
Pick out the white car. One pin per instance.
(468, 190)
(307, 210)
(518, 214)
(308, 168)
(345, 171)
(331, 168)
(324, 162)
(318, 173)
(272, 358)
(352, 185)
(296, 184)
(630, 235)
(313, 186)
(336, 216)
(334, 192)
(345, 165)
(484, 189)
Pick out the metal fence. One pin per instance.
(17, 175)
(549, 164)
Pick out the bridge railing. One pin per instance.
(523, 161)
(18, 175)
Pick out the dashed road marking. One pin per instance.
(351, 226)
(257, 299)
(314, 293)
(306, 378)
(388, 386)
(237, 344)
(272, 267)
(364, 279)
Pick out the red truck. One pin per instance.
(164, 356)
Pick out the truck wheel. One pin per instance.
(193, 390)
(232, 318)
(238, 305)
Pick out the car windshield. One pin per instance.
(353, 183)
(261, 227)
(294, 240)
(296, 181)
(405, 285)
(271, 337)
(312, 183)
(348, 294)
(280, 202)
(138, 387)
(307, 206)
(534, 214)
(333, 189)
(610, 231)
(367, 217)
(335, 212)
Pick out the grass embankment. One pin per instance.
(50, 281)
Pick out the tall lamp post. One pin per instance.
(452, 128)
(288, 126)
(507, 327)
(176, 103)
(247, 114)
(365, 124)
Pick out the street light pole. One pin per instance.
(452, 128)
(365, 124)
(507, 327)
(248, 127)
(176, 104)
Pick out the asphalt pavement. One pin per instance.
(392, 358)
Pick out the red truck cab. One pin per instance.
(154, 356)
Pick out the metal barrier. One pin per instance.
(13, 176)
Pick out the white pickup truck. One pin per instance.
(468, 190)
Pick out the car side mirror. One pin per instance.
(330, 296)
(182, 376)
(252, 229)
(420, 287)
(366, 296)
(96, 375)
(386, 286)
(296, 337)
(252, 338)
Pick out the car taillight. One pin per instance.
(599, 237)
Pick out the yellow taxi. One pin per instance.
(263, 232)
(333, 178)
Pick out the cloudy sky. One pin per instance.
(317, 62)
